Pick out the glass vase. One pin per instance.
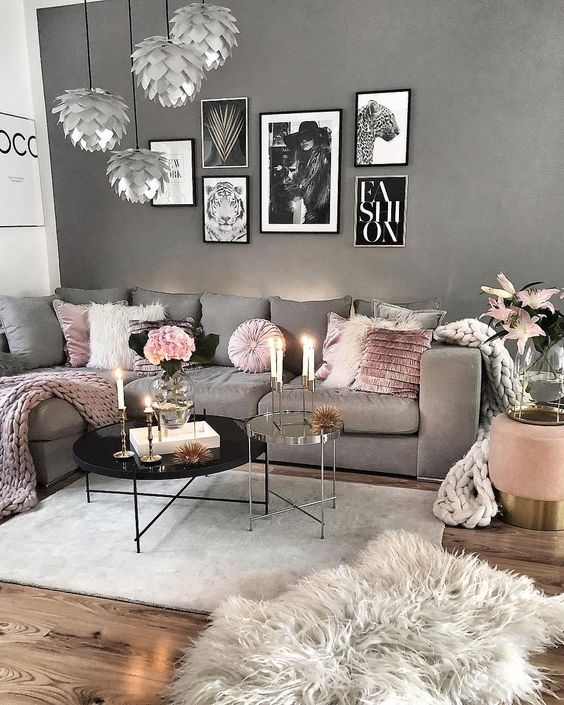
(173, 399)
(540, 372)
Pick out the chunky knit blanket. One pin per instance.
(466, 495)
(91, 395)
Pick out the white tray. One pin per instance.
(170, 440)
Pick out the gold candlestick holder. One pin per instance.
(307, 387)
(150, 458)
(123, 454)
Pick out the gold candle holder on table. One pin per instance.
(278, 407)
(123, 454)
(150, 458)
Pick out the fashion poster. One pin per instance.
(226, 209)
(180, 189)
(224, 133)
(300, 171)
(382, 128)
(380, 211)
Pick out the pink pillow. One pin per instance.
(73, 319)
(140, 364)
(391, 362)
(249, 345)
(335, 324)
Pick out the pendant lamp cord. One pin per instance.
(87, 43)
(133, 77)
(167, 22)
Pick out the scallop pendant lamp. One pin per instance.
(210, 29)
(93, 119)
(137, 175)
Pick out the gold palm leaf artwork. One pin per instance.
(225, 124)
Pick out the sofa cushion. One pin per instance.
(298, 318)
(4, 347)
(366, 308)
(222, 313)
(97, 296)
(363, 412)
(32, 330)
(177, 306)
(223, 391)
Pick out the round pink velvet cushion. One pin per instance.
(249, 345)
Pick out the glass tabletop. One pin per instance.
(289, 427)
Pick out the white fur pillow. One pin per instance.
(349, 350)
(109, 333)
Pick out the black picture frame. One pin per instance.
(381, 216)
(226, 178)
(238, 156)
(333, 227)
(404, 124)
(191, 191)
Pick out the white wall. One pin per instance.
(26, 267)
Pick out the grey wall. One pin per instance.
(486, 149)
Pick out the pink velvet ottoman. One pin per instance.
(527, 469)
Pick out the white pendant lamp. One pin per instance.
(137, 175)
(93, 119)
(210, 29)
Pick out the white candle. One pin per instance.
(279, 359)
(311, 361)
(119, 383)
(148, 406)
(272, 358)
(305, 343)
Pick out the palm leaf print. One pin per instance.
(225, 124)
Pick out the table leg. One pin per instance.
(136, 507)
(250, 488)
(266, 472)
(334, 472)
(322, 490)
(88, 487)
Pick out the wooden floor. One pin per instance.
(62, 649)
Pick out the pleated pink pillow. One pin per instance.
(249, 345)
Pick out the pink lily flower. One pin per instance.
(521, 327)
(507, 291)
(505, 284)
(498, 310)
(538, 298)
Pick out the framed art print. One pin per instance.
(226, 209)
(380, 211)
(300, 163)
(382, 128)
(181, 187)
(225, 133)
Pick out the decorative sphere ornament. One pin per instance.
(137, 175)
(210, 29)
(193, 453)
(168, 71)
(92, 118)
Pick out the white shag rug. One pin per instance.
(407, 624)
(198, 553)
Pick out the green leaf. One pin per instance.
(528, 286)
(137, 342)
(205, 348)
(499, 334)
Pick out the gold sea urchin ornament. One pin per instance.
(193, 453)
(326, 418)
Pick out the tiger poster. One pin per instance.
(226, 209)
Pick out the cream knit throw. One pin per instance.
(91, 395)
(466, 496)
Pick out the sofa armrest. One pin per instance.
(449, 407)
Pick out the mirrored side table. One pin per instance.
(294, 431)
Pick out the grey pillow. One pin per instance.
(32, 330)
(428, 319)
(10, 365)
(178, 306)
(298, 318)
(366, 308)
(222, 313)
(97, 296)
(4, 347)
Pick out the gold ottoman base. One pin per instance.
(538, 514)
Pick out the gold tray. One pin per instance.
(538, 415)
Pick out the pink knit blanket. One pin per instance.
(93, 396)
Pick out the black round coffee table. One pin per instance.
(93, 453)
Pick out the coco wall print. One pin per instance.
(380, 211)
(382, 128)
(300, 171)
(226, 209)
(181, 187)
(224, 133)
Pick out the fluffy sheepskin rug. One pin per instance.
(408, 624)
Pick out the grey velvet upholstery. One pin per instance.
(366, 308)
(363, 412)
(32, 330)
(4, 347)
(54, 418)
(10, 364)
(53, 459)
(449, 407)
(97, 296)
(298, 318)
(177, 306)
(222, 313)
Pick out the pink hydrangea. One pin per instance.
(168, 343)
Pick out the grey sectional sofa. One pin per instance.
(417, 438)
